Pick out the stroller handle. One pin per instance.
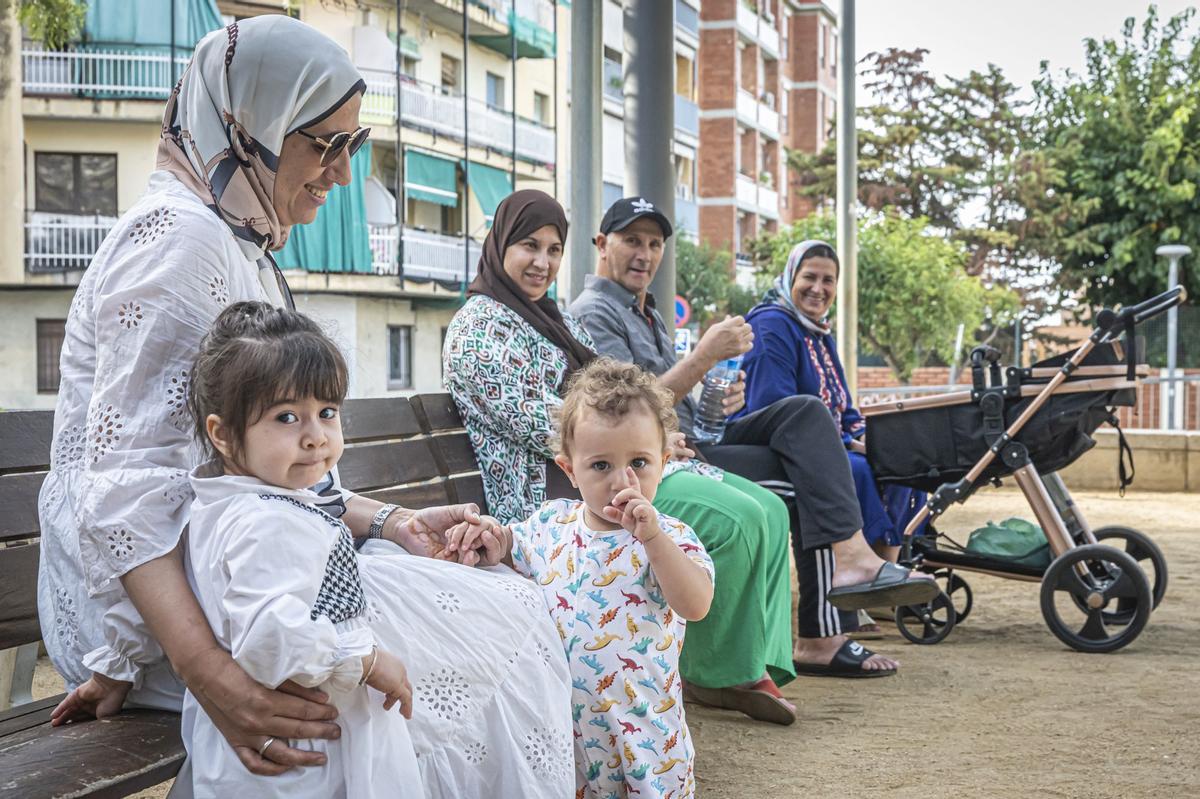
(1112, 321)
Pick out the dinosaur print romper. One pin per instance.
(622, 643)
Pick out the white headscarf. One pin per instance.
(247, 87)
(781, 293)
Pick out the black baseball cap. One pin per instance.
(624, 211)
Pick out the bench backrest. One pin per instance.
(411, 451)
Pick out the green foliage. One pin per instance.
(54, 23)
(1125, 138)
(913, 288)
(702, 276)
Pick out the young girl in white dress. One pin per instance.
(276, 576)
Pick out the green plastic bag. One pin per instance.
(1012, 539)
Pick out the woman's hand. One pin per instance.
(483, 544)
(248, 714)
(99, 697)
(678, 448)
(425, 532)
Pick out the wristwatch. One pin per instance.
(376, 528)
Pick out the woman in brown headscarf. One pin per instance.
(510, 350)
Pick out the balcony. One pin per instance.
(117, 72)
(757, 29)
(687, 116)
(757, 198)
(427, 107)
(531, 23)
(427, 256)
(62, 242)
(756, 114)
(687, 216)
(747, 192)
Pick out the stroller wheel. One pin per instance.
(959, 591)
(1079, 586)
(927, 623)
(1141, 548)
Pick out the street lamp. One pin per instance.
(1174, 253)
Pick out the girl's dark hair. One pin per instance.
(822, 251)
(255, 356)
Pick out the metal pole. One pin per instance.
(466, 201)
(1174, 253)
(554, 102)
(512, 39)
(587, 120)
(171, 71)
(399, 183)
(650, 125)
(1017, 341)
(847, 200)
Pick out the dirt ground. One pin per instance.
(999, 709)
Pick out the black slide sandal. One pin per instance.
(893, 585)
(847, 662)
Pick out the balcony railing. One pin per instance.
(432, 108)
(61, 242)
(102, 71)
(429, 256)
(756, 197)
(687, 18)
(614, 80)
(687, 116)
(751, 111)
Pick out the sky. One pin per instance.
(1016, 35)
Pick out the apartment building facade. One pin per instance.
(457, 123)
(767, 83)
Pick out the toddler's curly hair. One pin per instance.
(613, 390)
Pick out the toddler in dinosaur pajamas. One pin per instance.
(620, 579)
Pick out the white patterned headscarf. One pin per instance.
(781, 292)
(247, 87)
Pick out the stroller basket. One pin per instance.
(926, 442)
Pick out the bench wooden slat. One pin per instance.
(18, 596)
(22, 717)
(113, 757)
(438, 411)
(19, 505)
(469, 489)
(370, 419)
(26, 439)
(457, 453)
(425, 495)
(391, 463)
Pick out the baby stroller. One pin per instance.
(1027, 423)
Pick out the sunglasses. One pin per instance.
(343, 140)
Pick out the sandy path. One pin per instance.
(998, 709)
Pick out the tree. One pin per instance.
(900, 165)
(702, 277)
(1125, 138)
(913, 289)
(54, 23)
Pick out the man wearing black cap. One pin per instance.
(792, 446)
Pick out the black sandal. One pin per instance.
(847, 662)
(893, 585)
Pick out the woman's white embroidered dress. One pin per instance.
(491, 692)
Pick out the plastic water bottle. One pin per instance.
(709, 424)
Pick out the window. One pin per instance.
(821, 44)
(450, 73)
(833, 52)
(495, 92)
(541, 108)
(399, 356)
(50, 334)
(685, 85)
(408, 66)
(75, 183)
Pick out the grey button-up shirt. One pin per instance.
(610, 313)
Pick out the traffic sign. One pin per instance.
(683, 311)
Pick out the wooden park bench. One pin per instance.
(413, 452)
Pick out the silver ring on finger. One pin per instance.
(262, 749)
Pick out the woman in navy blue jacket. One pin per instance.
(794, 353)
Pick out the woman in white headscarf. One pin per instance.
(261, 126)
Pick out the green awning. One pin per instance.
(430, 179)
(409, 46)
(338, 240)
(490, 185)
